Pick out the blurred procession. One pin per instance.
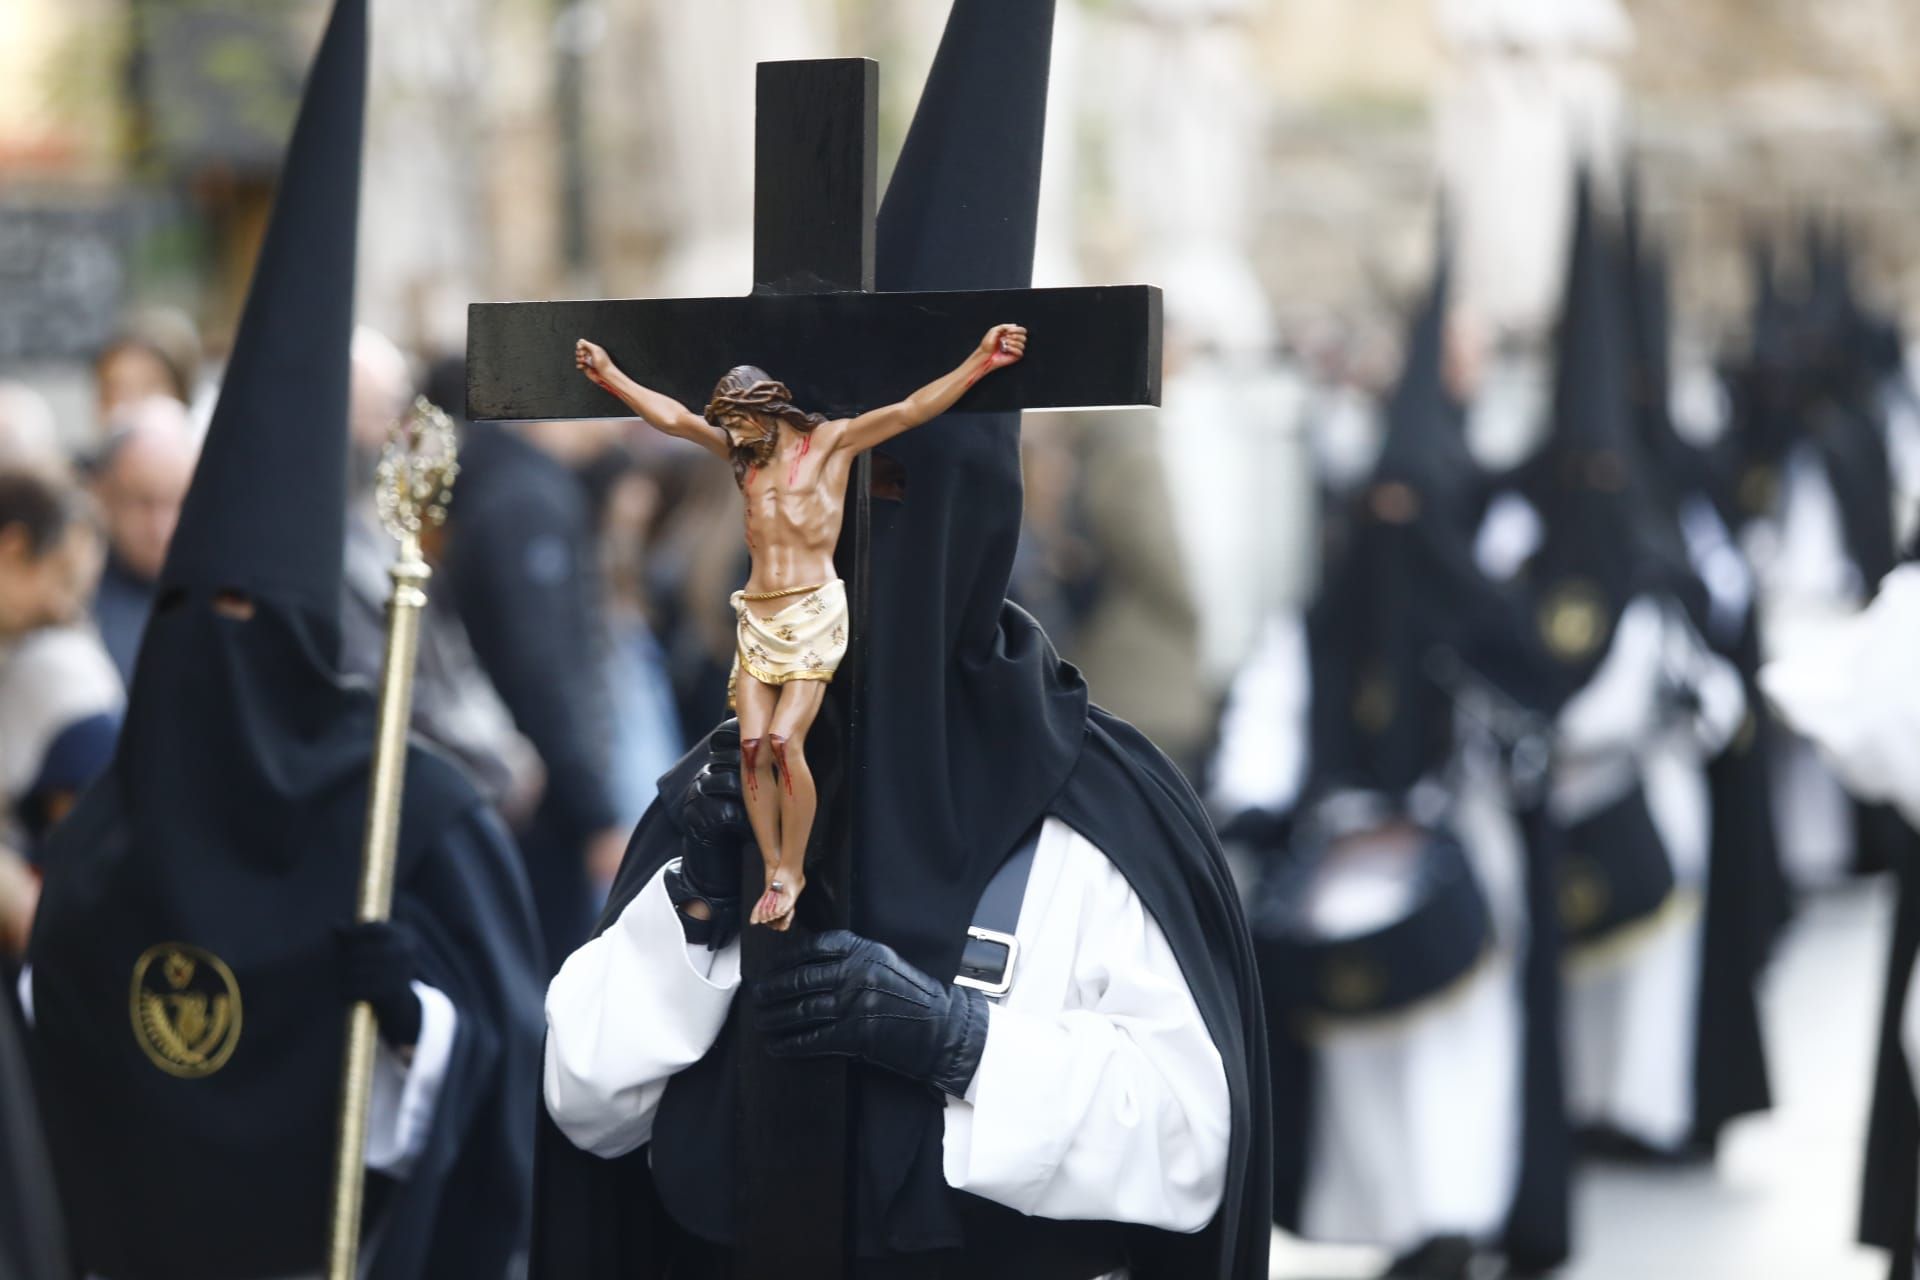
(1520, 564)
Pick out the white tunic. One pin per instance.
(1630, 1014)
(1415, 1128)
(1807, 582)
(1416, 1119)
(1100, 1093)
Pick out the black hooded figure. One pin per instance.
(1809, 412)
(1406, 627)
(1640, 705)
(977, 734)
(1747, 898)
(189, 967)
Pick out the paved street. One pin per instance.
(1781, 1203)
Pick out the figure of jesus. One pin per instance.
(792, 469)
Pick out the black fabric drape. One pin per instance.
(32, 1232)
(641, 1216)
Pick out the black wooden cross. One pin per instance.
(814, 321)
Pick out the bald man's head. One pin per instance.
(141, 478)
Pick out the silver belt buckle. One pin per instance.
(1007, 940)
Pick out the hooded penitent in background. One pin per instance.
(1746, 899)
(1851, 690)
(1640, 705)
(1815, 495)
(209, 870)
(976, 735)
(1397, 952)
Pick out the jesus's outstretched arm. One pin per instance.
(661, 412)
(1004, 344)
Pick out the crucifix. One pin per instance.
(815, 321)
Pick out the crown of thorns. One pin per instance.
(749, 390)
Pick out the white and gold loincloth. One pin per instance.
(804, 641)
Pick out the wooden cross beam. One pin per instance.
(815, 322)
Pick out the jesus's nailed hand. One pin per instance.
(1004, 344)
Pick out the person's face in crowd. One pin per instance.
(140, 495)
(129, 373)
(48, 587)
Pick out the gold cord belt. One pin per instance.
(781, 595)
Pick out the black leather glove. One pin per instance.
(713, 819)
(839, 993)
(377, 966)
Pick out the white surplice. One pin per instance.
(1100, 1094)
(1631, 1011)
(1416, 1118)
(1807, 582)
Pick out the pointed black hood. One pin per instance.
(1425, 446)
(973, 723)
(234, 726)
(1402, 600)
(1601, 546)
(264, 515)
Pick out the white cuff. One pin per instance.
(400, 1116)
(25, 990)
(718, 969)
(1011, 1166)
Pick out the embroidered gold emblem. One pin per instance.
(1584, 894)
(185, 1007)
(1758, 490)
(1351, 980)
(789, 634)
(1573, 621)
(1374, 702)
(839, 636)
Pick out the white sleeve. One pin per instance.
(1721, 698)
(1510, 532)
(1852, 688)
(1619, 706)
(1263, 729)
(400, 1111)
(25, 991)
(1100, 1093)
(625, 1012)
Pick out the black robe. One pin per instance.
(32, 1240)
(226, 1176)
(598, 1219)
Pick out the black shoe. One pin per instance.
(1441, 1258)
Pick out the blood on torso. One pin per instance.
(795, 506)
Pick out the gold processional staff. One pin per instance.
(416, 476)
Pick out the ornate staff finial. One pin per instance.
(417, 470)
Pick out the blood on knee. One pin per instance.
(750, 764)
(780, 761)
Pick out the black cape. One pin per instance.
(605, 1219)
(141, 1153)
(32, 1238)
(1746, 899)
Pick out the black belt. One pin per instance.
(986, 964)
